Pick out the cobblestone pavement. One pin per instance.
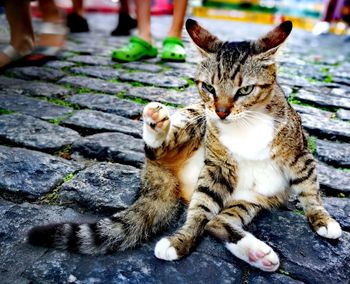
(71, 149)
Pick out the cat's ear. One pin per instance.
(269, 43)
(206, 42)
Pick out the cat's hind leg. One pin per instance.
(228, 226)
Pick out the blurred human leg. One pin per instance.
(21, 30)
(125, 22)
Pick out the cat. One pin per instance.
(239, 151)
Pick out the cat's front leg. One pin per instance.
(304, 182)
(156, 124)
(206, 202)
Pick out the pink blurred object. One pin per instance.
(159, 7)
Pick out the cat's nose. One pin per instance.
(222, 112)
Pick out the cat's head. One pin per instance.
(234, 77)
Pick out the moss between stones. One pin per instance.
(59, 102)
(299, 211)
(311, 143)
(65, 152)
(6, 111)
(58, 120)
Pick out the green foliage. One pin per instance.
(299, 211)
(311, 143)
(5, 111)
(328, 78)
(84, 90)
(68, 177)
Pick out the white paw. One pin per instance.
(332, 231)
(164, 250)
(255, 252)
(156, 123)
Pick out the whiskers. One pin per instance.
(248, 118)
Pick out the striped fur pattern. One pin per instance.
(239, 151)
(256, 150)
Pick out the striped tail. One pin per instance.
(123, 230)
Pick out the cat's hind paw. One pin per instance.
(156, 121)
(164, 250)
(331, 231)
(255, 252)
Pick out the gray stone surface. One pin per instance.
(333, 153)
(312, 110)
(94, 84)
(323, 100)
(36, 73)
(91, 60)
(343, 114)
(16, 255)
(105, 73)
(31, 174)
(339, 208)
(163, 95)
(24, 130)
(33, 88)
(159, 80)
(333, 180)
(108, 104)
(104, 187)
(114, 147)
(32, 106)
(27, 175)
(328, 128)
(142, 67)
(92, 121)
(304, 255)
(58, 64)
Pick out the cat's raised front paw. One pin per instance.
(156, 116)
(255, 252)
(156, 123)
(331, 231)
(164, 250)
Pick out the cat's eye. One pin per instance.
(244, 91)
(208, 88)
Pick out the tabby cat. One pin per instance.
(239, 151)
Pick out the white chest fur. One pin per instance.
(250, 145)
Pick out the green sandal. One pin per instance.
(173, 50)
(136, 49)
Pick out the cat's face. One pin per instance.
(236, 78)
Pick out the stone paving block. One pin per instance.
(304, 255)
(36, 73)
(333, 180)
(91, 60)
(159, 80)
(108, 104)
(343, 114)
(312, 111)
(104, 187)
(58, 64)
(91, 121)
(30, 173)
(94, 84)
(32, 88)
(24, 130)
(114, 147)
(333, 153)
(164, 96)
(323, 100)
(105, 73)
(339, 208)
(329, 128)
(31, 106)
(16, 255)
(142, 67)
